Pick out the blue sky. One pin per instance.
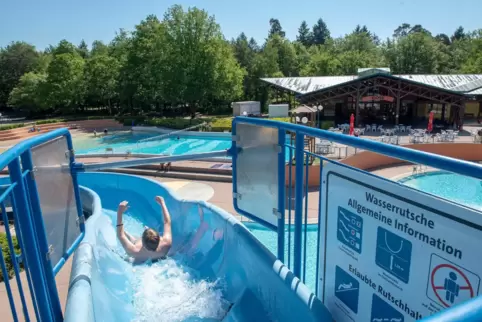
(44, 22)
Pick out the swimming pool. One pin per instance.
(460, 189)
(123, 142)
(270, 239)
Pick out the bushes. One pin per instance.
(11, 126)
(6, 254)
(325, 125)
(221, 124)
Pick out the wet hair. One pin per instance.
(150, 239)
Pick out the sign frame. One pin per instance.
(465, 216)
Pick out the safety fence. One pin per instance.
(40, 205)
(317, 224)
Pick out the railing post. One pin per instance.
(281, 193)
(38, 222)
(31, 250)
(299, 154)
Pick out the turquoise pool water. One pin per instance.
(460, 189)
(127, 142)
(269, 238)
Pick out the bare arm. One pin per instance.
(167, 236)
(121, 234)
(203, 227)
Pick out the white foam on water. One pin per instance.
(168, 291)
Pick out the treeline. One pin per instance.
(183, 63)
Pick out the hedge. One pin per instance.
(11, 126)
(6, 254)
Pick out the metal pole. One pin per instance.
(281, 194)
(299, 141)
(31, 250)
(136, 162)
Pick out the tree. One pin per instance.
(304, 34)
(444, 39)
(416, 53)
(402, 30)
(459, 34)
(275, 28)
(29, 93)
(473, 61)
(83, 49)
(64, 47)
(202, 64)
(285, 55)
(99, 48)
(101, 76)
(65, 81)
(16, 59)
(321, 34)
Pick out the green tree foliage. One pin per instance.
(321, 33)
(101, 74)
(83, 49)
(181, 63)
(275, 28)
(304, 34)
(29, 93)
(65, 80)
(16, 59)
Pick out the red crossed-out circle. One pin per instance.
(435, 288)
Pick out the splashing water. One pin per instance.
(166, 290)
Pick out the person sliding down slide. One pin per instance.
(151, 246)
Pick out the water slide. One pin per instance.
(218, 271)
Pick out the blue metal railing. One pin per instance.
(22, 192)
(293, 233)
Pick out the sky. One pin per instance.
(45, 22)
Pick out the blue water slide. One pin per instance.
(226, 274)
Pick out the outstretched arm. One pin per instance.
(121, 234)
(203, 227)
(167, 235)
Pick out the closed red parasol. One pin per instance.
(352, 124)
(430, 123)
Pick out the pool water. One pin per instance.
(269, 238)
(127, 142)
(460, 189)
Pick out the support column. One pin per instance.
(397, 111)
(357, 107)
(461, 116)
(443, 112)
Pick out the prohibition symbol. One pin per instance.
(450, 284)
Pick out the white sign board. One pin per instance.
(390, 253)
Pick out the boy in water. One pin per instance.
(151, 246)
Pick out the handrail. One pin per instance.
(165, 135)
(466, 168)
(18, 149)
(135, 162)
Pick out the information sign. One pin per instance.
(390, 253)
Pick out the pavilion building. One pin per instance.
(375, 96)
